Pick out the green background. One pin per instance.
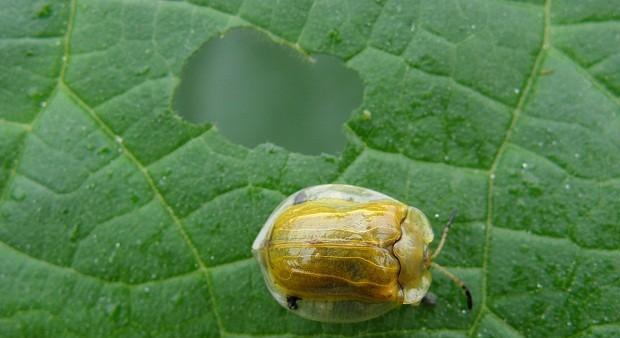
(256, 91)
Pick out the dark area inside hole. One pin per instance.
(257, 91)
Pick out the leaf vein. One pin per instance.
(562, 168)
(411, 159)
(72, 270)
(22, 146)
(502, 148)
(569, 240)
(582, 69)
(503, 322)
(176, 220)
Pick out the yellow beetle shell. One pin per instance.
(344, 253)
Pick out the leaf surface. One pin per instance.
(117, 218)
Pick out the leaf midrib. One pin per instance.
(492, 172)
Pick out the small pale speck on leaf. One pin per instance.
(366, 114)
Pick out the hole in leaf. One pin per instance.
(257, 91)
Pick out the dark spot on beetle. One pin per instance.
(291, 302)
(300, 198)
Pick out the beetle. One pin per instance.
(343, 253)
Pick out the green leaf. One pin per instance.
(117, 218)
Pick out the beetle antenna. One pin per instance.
(457, 281)
(444, 234)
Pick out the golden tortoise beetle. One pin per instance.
(342, 253)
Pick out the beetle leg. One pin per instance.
(457, 281)
(291, 302)
(444, 234)
(429, 299)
